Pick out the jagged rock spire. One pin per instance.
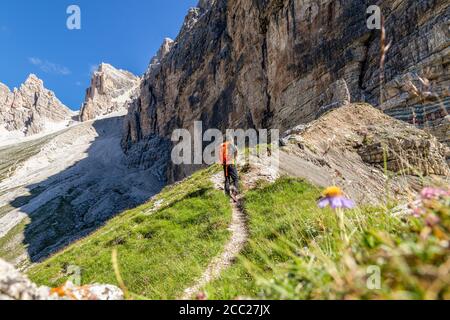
(165, 48)
(109, 92)
(31, 108)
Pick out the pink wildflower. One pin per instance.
(433, 193)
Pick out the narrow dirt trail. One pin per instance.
(233, 247)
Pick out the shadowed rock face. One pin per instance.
(280, 63)
(31, 109)
(110, 91)
(62, 187)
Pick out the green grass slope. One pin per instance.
(298, 251)
(295, 250)
(163, 246)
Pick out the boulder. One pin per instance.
(15, 286)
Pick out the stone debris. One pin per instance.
(348, 147)
(15, 286)
(73, 182)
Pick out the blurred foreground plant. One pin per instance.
(413, 261)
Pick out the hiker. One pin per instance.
(227, 156)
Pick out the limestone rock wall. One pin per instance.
(280, 63)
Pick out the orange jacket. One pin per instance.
(226, 153)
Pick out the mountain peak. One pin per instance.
(105, 67)
(109, 92)
(31, 109)
(34, 80)
(164, 49)
(4, 88)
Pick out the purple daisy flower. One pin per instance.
(334, 198)
(336, 202)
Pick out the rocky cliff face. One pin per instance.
(280, 63)
(162, 52)
(110, 91)
(31, 109)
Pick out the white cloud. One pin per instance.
(78, 84)
(49, 67)
(35, 61)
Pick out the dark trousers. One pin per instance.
(231, 176)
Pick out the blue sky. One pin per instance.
(125, 33)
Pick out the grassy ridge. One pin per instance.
(298, 251)
(163, 246)
(295, 249)
(287, 229)
(276, 212)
